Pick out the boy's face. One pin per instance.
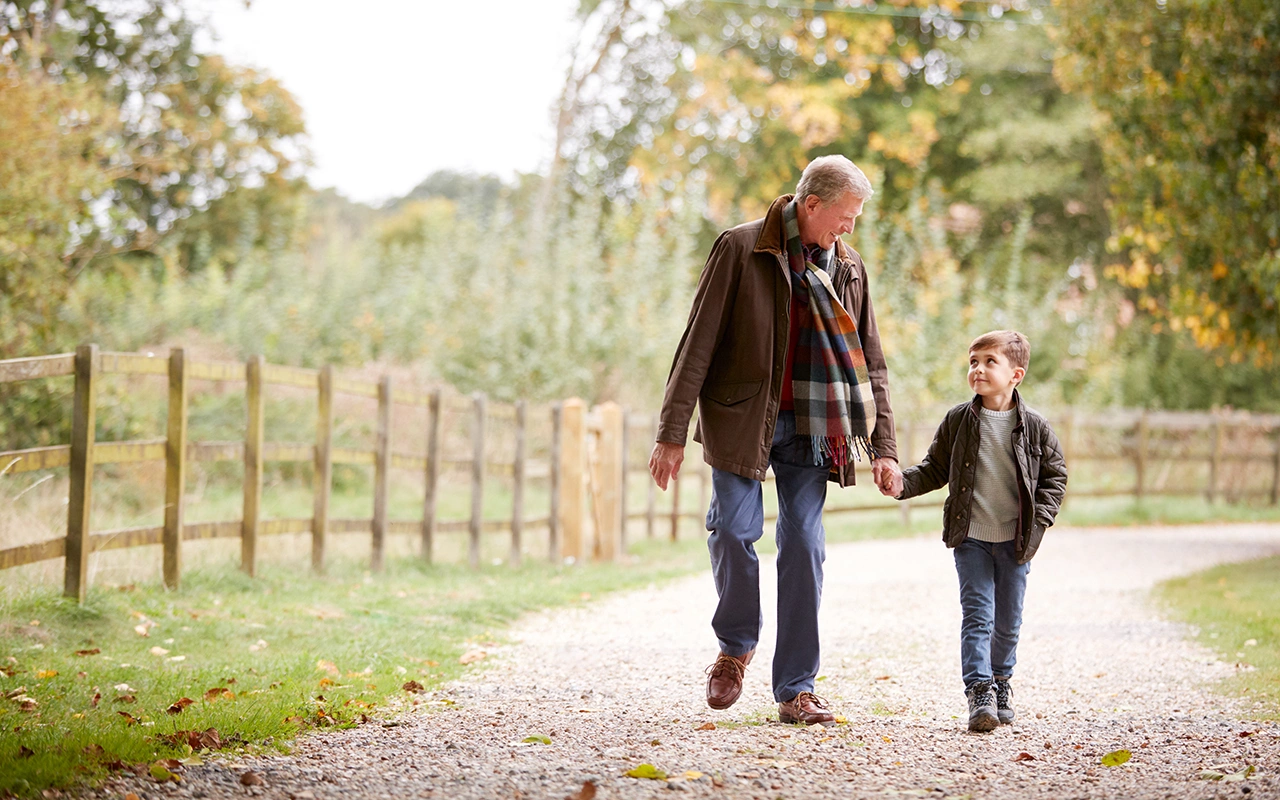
(991, 374)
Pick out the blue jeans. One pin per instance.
(736, 521)
(992, 584)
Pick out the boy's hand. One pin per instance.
(888, 476)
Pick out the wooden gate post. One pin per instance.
(1215, 462)
(434, 412)
(323, 473)
(651, 498)
(517, 486)
(80, 498)
(608, 502)
(477, 480)
(381, 473)
(573, 458)
(554, 480)
(1275, 468)
(255, 400)
(175, 469)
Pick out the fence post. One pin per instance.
(1215, 462)
(651, 500)
(80, 497)
(554, 480)
(434, 412)
(477, 480)
(675, 509)
(1275, 468)
(573, 449)
(904, 457)
(255, 401)
(1140, 457)
(517, 486)
(625, 477)
(381, 473)
(609, 534)
(323, 470)
(175, 468)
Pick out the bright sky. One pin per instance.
(396, 89)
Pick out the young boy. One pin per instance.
(1006, 476)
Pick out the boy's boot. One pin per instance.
(1004, 701)
(982, 708)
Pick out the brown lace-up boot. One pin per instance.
(805, 707)
(724, 681)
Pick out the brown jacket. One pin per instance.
(952, 461)
(733, 354)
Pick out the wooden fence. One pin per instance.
(590, 458)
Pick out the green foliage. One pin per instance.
(1190, 97)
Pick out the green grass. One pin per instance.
(336, 647)
(1235, 609)
(1093, 511)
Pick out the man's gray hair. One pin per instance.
(829, 177)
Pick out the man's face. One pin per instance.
(991, 374)
(821, 224)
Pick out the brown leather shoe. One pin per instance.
(805, 707)
(724, 681)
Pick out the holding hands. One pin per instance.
(888, 476)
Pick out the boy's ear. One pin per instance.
(1018, 374)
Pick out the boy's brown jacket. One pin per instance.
(953, 460)
(733, 354)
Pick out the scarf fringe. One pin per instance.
(840, 448)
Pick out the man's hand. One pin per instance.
(887, 476)
(664, 462)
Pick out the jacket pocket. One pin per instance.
(732, 393)
(1034, 538)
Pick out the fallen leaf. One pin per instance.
(326, 682)
(131, 796)
(46, 673)
(1024, 756)
(648, 772)
(327, 666)
(126, 698)
(141, 630)
(92, 652)
(261, 644)
(692, 774)
(1246, 733)
(472, 656)
(129, 719)
(177, 658)
(884, 677)
(179, 705)
(842, 720)
(587, 792)
(25, 752)
(97, 697)
(159, 651)
(413, 687)
(1116, 757)
(162, 773)
(124, 687)
(93, 750)
(219, 693)
(536, 738)
(706, 726)
(251, 778)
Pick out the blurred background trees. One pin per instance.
(1103, 179)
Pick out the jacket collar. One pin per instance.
(771, 238)
(976, 404)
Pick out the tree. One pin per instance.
(1189, 91)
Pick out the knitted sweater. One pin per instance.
(995, 488)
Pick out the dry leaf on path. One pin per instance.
(706, 726)
(646, 771)
(587, 792)
(472, 656)
(413, 687)
(1024, 756)
(252, 778)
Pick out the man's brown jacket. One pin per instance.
(733, 354)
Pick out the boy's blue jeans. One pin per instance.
(992, 584)
(736, 521)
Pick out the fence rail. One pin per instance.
(586, 469)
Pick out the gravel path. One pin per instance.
(619, 682)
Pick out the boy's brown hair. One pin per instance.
(1011, 344)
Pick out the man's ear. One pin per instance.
(811, 203)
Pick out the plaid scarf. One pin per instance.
(834, 406)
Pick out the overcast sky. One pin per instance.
(395, 89)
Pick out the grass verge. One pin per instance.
(1235, 609)
(87, 689)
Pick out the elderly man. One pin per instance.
(782, 355)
